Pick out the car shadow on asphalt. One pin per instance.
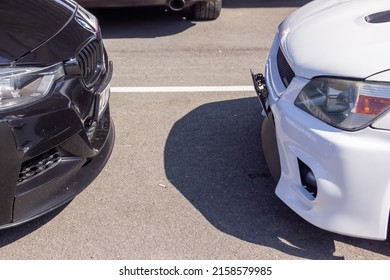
(213, 156)
(263, 3)
(154, 22)
(150, 22)
(10, 235)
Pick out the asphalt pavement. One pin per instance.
(187, 178)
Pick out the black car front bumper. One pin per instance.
(52, 151)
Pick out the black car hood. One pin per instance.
(27, 24)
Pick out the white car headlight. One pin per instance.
(345, 104)
(23, 85)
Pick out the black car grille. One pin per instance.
(91, 62)
(35, 166)
(285, 71)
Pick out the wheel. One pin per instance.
(207, 10)
(270, 147)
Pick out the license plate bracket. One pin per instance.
(103, 94)
(102, 101)
(261, 90)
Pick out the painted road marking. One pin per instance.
(181, 89)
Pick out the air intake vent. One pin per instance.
(91, 64)
(37, 165)
(285, 71)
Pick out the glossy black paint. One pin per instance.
(60, 133)
(25, 25)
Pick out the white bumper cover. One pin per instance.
(351, 168)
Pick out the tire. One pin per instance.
(270, 147)
(207, 10)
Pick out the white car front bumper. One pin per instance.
(350, 168)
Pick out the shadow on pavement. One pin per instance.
(263, 3)
(149, 22)
(10, 235)
(213, 157)
(154, 22)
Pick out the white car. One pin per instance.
(326, 97)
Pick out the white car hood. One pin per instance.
(333, 37)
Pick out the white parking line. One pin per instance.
(181, 89)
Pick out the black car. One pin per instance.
(56, 133)
(200, 9)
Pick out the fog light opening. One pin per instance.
(308, 179)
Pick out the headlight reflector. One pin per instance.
(23, 85)
(345, 104)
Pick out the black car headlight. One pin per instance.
(345, 104)
(24, 85)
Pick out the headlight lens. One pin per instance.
(23, 85)
(348, 105)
